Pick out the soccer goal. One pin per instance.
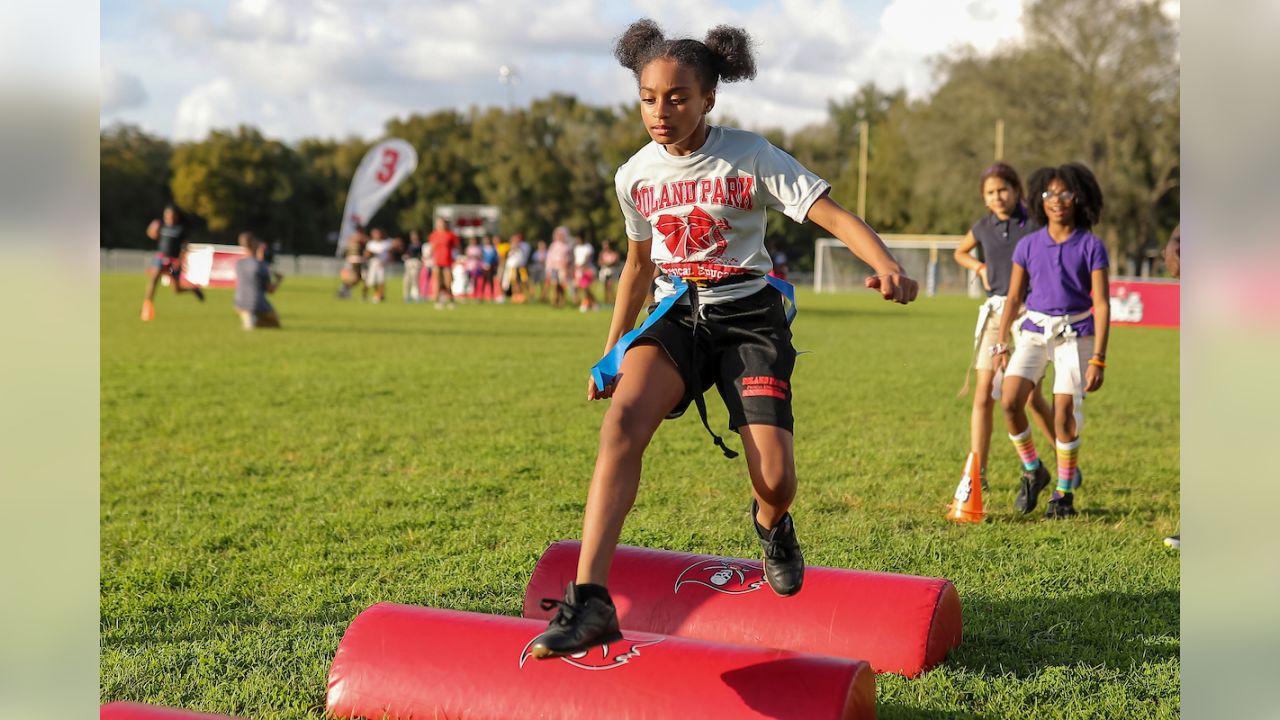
(927, 258)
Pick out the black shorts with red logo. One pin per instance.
(743, 348)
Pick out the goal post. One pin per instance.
(929, 259)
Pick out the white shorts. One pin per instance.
(375, 274)
(1031, 358)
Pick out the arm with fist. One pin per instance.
(890, 279)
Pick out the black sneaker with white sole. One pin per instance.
(1061, 507)
(1033, 483)
(583, 621)
(783, 560)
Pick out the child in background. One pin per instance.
(489, 268)
(995, 236)
(1066, 267)
(377, 253)
(412, 287)
(584, 271)
(610, 267)
(559, 259)
(444, 246)
(538, 271)
(254, 281)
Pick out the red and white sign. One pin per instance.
(1153, 303)
(211, 265)
(381, 170)
(468, 221)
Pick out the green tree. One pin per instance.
(134, 179)
(1096, 82)
(326, 170)
(446, 170)
(239, 181)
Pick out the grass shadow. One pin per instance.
(1023, 637)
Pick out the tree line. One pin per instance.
(1094, 81)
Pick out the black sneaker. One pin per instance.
(199, 293)
(1061, 507)
(783, 561)
(579, 624)
(1033, 482)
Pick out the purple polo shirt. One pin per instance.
(1061, 275)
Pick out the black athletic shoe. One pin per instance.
(199, 293)
(1061, 507)
(783, 561)
(1033, 482)
(579, 624)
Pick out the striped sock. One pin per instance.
(1026, 448)
(1067, 453)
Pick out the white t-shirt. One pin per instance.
(584, 255)
(515, 256)
(380, 250)
(706, 211)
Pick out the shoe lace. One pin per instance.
(564, 613)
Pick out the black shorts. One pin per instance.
(743, 348)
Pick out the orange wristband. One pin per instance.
(1097, 363)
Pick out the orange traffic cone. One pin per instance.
(967, 505)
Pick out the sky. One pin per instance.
(334, 68)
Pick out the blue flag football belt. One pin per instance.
(606, 370)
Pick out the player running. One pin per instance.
(172, 237)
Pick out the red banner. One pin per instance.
(1153, 303)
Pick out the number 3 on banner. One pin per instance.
(389, 159)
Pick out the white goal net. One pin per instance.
(927, 258)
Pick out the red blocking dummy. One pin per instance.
(400, 661)
(899, 623)
(138, 711)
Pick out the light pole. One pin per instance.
(508, 76)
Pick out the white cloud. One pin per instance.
(297, 68)
(913, 31)
(120, 91)
(212, 105)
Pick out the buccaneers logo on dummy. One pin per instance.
(694, 237)
(724, 576)
(602, 657)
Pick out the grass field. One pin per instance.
(260, 489)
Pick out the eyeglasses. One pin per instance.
(1065, 196)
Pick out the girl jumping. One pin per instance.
(694, 201)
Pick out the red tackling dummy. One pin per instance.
(899, 623)
(400, 661)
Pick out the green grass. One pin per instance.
(260, 489)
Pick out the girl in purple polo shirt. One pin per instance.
(1066, 266)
